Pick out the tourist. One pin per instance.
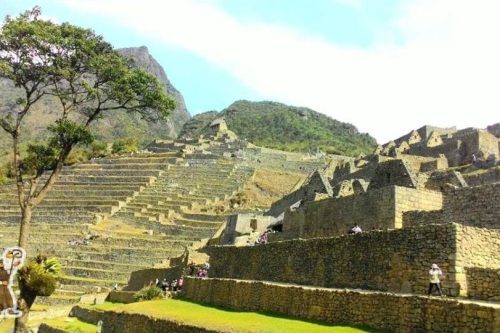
(164, 285)
(355, 229)
(180, 283)
(434, 274)
(262, 238)
(202, 273)
(206, 266)
(191, 269)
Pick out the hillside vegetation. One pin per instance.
(279, 126)
(117, 129)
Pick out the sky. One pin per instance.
(386, 66)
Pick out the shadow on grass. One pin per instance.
(280, 316)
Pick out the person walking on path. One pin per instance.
(434, 274)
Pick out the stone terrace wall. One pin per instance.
(408, 199)
(121, 322)
(382, 311)
(395, 260)
(483, 283)
(333, 217)
(478, 247)
(483, 177)
(478, 262)
(376, 209)
(419, 217)
(474, 206)
(423, 163)
(142, 278)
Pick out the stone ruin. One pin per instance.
(413, 208)
(414, 211)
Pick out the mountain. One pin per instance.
(111, 127)
(280, 126)
(143, 59)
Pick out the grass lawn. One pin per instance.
(71, 325)
(225, 320)
(6, 325)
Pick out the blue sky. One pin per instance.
(385, 66)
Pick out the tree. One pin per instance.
(89, 80)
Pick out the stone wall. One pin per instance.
(483, 283)
(421, 217)
(142, 278)
(478, 247)
(44, 328)
(394, 172)
(122, 322)
(459, 148)
(121, 296)
(396, 260)
(474, 206)
(382, 311)
(376, 209)
(483, 177)
(408, 199)
(332, 217)
(422, 163)
(244, 224)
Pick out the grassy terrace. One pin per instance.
(224, 320)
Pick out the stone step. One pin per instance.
(169, 158)
(74, 186)
(83, 281)
(204, 217)
(92, 194)
(82, 196)
(202, 224)
(95, 273)
(187, 233)
(111, 173)
(57, 300)
(132, 259)
(68, 219)
(125, 166)
(156, 200)
(56, 227)
(62, 241)
(67, 180)
(108, 265)
(82, 202)
(67, 208)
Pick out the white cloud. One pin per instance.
(446, 72)
(350, 3)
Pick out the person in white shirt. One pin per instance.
(434, 274)
(355, 230)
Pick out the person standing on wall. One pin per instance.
(434, 274)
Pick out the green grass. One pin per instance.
(71, 325)
(224, 320)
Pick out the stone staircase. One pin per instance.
(148, 191)
(188, 186)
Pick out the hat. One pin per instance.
(434, 266)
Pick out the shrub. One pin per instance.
(125, 146)
(98, 149)
(148, 293)
(39, 275)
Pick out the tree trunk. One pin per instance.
(26, 213)
(24, 303)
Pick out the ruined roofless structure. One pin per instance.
(414, 211)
